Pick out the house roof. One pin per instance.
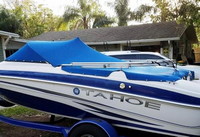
(8, 34)
(137, 33)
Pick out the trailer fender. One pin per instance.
(91, 124)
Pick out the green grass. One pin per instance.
(18, 111)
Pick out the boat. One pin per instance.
(142, 56)
(70, 79)
(4, 103)
(154, 58)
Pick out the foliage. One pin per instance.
(85, 14)
(188, 12)
(162, 11)
(141, 12)
(102, 21)
(17, 111)
(8, 21)
(35, 19)
(124, 13)
(30, 19)
(182, 11)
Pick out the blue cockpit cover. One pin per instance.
(65, 52)
(59, 52)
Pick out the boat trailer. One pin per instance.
(91, 127)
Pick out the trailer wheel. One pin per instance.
(88, 130)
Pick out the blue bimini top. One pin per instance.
(58, 53)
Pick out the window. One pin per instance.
(129, 56)
(148, 56)
(137, 56)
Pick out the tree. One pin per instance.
(8, 21)
(181, 11)
(141, 12)
(38, 21)
(184, 11)
(87, 12)
(103, 21)
(162, 11)
(188, 12)
(34, 19)
(124, 13)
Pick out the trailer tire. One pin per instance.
(88, 130)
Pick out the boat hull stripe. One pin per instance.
(108, 85)
(65, 110)
(75, 98)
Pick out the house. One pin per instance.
(169, 38)
(9, 43)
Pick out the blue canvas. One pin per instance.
(59, 52)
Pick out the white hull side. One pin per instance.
(161, 114)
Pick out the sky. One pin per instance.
(58, 6)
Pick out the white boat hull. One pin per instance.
(136, 112)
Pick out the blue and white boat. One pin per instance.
(70, 79)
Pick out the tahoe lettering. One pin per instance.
(122, 98)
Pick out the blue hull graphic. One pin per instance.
(108, 84)
(69, 111)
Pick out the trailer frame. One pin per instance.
(65, 131)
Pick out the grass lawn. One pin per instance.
(26, 114)
(18, 111)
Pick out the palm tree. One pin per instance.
(103, 21)
(122, 11)
(84, 15)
